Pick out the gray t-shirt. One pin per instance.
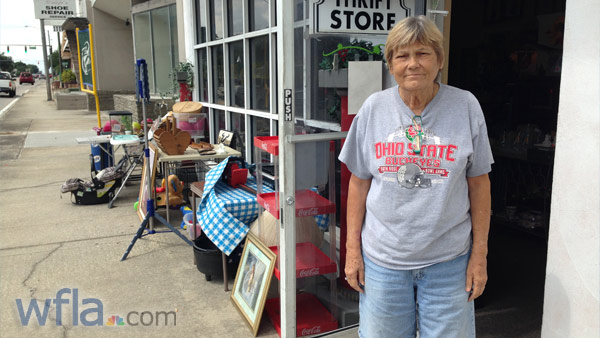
(417, 209)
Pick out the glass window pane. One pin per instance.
(200, 21)
(161, 45)
(143, 45)
(259, 73)
(298, 10)
(238, 124)
(218, 75)
(219, 122)
(235, 16)
(236, 72)
(325, 103)
(298, 71)
(174, 37)
(260, 127)
(202, 66)
(259, 14)
(216, 24)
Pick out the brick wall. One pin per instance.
(129, 103)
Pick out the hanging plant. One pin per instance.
(360, 50)
(183, 71)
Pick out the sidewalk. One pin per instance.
(48, 244)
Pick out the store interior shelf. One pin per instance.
(504, 222)
(311, 316)
(310, 261)
(308, 203)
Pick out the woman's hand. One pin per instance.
(357, 197)
(480, 198)
(476, 275)
(355, 269)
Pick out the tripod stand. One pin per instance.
(143, 95)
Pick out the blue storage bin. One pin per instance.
(102, 154)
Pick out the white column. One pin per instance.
(287, 234)
(571, 307)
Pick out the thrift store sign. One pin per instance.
(54, 9)
(358, 16)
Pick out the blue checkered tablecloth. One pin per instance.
(240, 203)
(225, 213)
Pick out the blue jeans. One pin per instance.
(396, 302)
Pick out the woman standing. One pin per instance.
(419, 196)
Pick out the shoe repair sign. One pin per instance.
(358, 16)
(55, 9)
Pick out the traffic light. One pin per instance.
(7, 49)
(25, 49)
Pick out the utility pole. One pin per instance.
(50, 43)
(48, 89)
(59, 57)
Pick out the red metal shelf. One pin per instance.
(269, 144)
(311, 316)
(308, 203)
(310, 261)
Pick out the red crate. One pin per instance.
(311, 316)
(310, 261)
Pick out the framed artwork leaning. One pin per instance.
(252, 281)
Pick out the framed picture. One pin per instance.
(252, 281)
(144, 193)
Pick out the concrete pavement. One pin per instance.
(48, 244)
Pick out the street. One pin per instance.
(5, 100)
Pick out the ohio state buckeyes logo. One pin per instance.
(411, 133)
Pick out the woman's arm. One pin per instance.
(357, 200)
(480, 198)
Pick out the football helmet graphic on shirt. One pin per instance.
(411, 175)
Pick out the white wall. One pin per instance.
(113, 42)
(571, 306)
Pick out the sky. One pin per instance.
(18, 25)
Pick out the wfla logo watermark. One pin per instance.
(91, 315)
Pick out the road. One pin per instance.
(21, 89)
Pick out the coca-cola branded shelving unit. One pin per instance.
(311, 315)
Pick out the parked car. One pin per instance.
(26, 77)
(7, 84)
(42, 77)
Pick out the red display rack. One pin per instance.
(311, 316)
(310, 261)
(308, 203)
(269, 144)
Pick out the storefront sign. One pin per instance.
(358, 16)
(85, 53)
(54, 9)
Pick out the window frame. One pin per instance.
(225, 43)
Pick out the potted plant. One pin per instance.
(68, 77)
(183, 72)
(333, 69)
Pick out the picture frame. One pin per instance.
(227, 138)
(252, 281)
(144, 194)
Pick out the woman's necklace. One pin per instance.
(415, 133)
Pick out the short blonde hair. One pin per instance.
(411, 30)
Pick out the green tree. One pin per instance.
(20, 67)
(55, 62)
(33, 68)
(6, 63)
